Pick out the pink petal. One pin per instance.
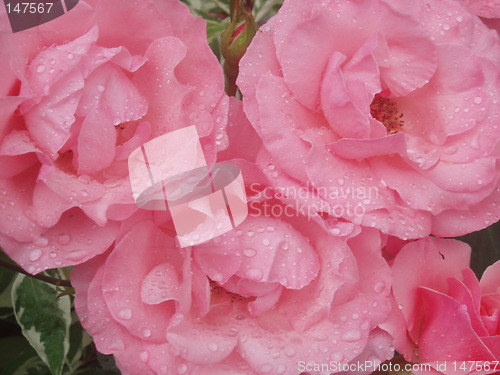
(447, 324)
(244, 142)
(109, 87)
(219, 259)
(457, 222)
(362, 149)
(459, 292)
(378, 349)
(265, 302)
(17, 153)
(74, 239)
(77, 189)
(273, 251)
(96, 153)
(490, 281)
(200, 344)
(432, 261)
(15, 199)
(483, 8)
(123, 295)
(281, 118)
(263, 49)
(395, 324)
(160, 284)
(157, 81)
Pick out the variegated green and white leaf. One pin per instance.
(44, 319)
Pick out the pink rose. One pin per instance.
(275, 296)
(443, 313)
(385, 110)
(79, 94)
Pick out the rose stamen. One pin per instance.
(386, 111)
(219, 292)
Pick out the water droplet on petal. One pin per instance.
(125, 314)
(63, 239)
(351, 335)
(379, 287)
(213, 346)
(40, 68)
(266, 368)
(181, 369)
(281, 369)
(144, 356)
(290, 352)
(146, 332)
(217, 277)
(254, 274)
(249, 252)
(116, 345)
(41, 241)
(35, 255)
(75, 255)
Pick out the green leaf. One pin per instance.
(214, 29)
(6, 278)
(17, 357)
(44, 320)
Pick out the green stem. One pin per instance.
(47, 279)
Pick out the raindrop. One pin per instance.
(116, 345)
(182, 368)
(35, 255)
(217, 277)
(281, 369)
(125, 314)
(146, 332)
(213, 346)
(41, 241)
(266, 368)
(76, 255)
(63, 239)
(254, 274)
(351, 335)
(379, 287)
(40, 69)
(478, 100)
(249, 252)
(144, 356)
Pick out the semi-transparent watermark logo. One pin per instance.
(170, 172)
(347, 201)
(27, 14)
